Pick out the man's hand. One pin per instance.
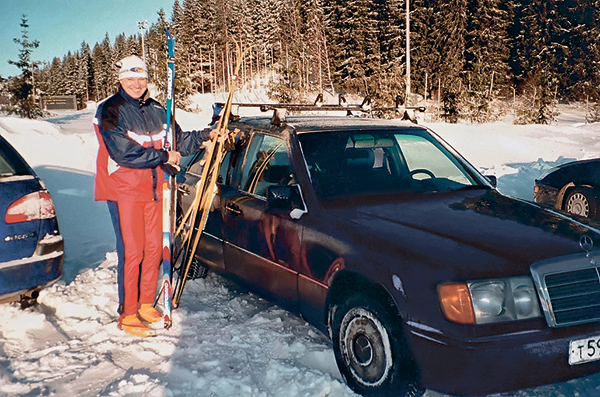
(174, 157)
(171, 167)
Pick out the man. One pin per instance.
(130, 127)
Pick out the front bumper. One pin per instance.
(491, 364)
(44, 267)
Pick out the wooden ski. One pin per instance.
(207, 184)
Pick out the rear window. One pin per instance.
(11, 163)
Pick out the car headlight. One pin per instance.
(489, 301)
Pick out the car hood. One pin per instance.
(481, 228)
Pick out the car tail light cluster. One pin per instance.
(33, 206)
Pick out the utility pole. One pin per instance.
(407, 51)
(143, 25)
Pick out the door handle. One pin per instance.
(233, 208)
(184, 190)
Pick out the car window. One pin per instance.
(346, 163)
(421, 153)
(5, 168)
(10, 162)
(194, 165)
(267, 163)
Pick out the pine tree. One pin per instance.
(22, 88)
(348, 31)
(120, 49)
(105, 72)
(390, 32)
(486, 57)
(189, 31)
(316, 41)
(582, 76)
(290, 86)
(425, 76)
(85, 74)
(156, 58)
(539, 50)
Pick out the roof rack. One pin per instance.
(364, 107)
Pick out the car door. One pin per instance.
(262, 245)
(210, 248)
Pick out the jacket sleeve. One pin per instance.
(189, 142)
(125, 151)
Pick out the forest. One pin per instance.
(474, 58)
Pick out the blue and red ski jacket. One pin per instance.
(131, 132)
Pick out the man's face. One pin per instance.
(135, 86)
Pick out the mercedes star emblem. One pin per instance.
(586, 243)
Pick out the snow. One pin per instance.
(225, 341)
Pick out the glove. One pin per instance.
(171, 169)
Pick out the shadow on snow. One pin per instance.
(84, 223)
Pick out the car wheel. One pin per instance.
(582, 201)
(371, 351)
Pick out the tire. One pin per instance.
(371, 351)
(582, 201)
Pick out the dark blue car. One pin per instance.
(31, 246)
(573, 187)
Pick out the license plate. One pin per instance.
(584, 350)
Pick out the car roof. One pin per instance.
(317, 123)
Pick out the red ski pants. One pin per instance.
(141, 229)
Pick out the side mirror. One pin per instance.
(286, 198)
(492, 179)
(279, 197)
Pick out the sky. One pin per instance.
(62, 25)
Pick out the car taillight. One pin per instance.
(30, 207)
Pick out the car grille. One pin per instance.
(569, 289)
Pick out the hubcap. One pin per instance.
(365, 346)
(578, 204)
(363, 350)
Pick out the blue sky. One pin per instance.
(62, 25)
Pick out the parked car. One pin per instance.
(421, 273)
(31, 246)
(573, 187)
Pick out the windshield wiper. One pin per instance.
(473, 187)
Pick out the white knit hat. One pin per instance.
(132, 66)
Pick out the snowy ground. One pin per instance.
(225, 341)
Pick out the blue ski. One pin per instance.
(169, 189)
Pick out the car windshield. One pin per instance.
(347, 163)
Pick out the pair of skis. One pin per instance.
(205, 190)
(206, 186)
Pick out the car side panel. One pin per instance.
(253, 246)
(210, 246)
